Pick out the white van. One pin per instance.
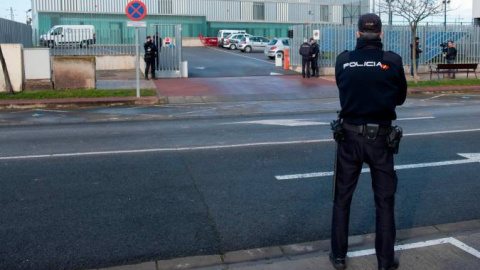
(64, 35)
(222, 34)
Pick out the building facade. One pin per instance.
(476, 12)
(270, 18)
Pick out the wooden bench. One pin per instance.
(447, 68)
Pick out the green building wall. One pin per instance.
(112, 29)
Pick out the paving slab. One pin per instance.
(253, 254)
(191, 262)
(142, 266)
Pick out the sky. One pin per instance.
(462, 10)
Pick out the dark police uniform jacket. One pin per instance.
(315, 50)
(372, 83)
(150, 50)
(306, 51)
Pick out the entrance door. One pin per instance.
(168, 39)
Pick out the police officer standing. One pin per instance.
(315, 53)
(306, 53)
(150, 54)
(371, 83)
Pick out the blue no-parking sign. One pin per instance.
(136, 10)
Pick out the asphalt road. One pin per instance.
(101, 194)
(220, 62)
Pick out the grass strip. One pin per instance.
(92, 93)
(445, 82)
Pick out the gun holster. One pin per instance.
(338, 131)
(394, 139)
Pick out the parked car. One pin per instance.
(232, 41)
(277, 45)
(223, 34)
(64, 35)
(253, 43)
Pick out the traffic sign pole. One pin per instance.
(137, 57)
(136, 11)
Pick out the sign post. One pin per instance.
(136, 11)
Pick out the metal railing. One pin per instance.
(334, 39)
(15, 32)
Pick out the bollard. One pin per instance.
(184, 70)
(287, 59)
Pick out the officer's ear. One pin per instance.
(358, 34)
(381, 34)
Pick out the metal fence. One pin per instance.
(15, 32)
(85, 40)
(335, 39)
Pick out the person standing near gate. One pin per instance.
(418, 51)
(306, 53)
(150, 52)
(451, 57)
(315, 53)
(158, 43)
(371, 84)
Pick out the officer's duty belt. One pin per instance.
(361, 129)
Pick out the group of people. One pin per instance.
(449, 53)
(153, 47)
(310, 54)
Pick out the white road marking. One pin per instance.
(244, 56)
(201, 68)
(275, 74)
(435, 97)
(443, 132)
(470, 158)
(416, 118)
(157, 150)
(307, 122)
(213, 147)
(450, 240)
(283, 122)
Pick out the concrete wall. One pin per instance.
(74, 72)
(191, 42)
(37, 64)
(116, 62)
(13, 54)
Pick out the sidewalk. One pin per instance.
(215, 90)
(440, 247)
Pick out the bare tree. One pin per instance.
(415, 11)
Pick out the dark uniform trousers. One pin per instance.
(315, 66)
(352, 153)
(150, 66)
(306, 67)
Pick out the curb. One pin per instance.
(80, 102)
(290, 252)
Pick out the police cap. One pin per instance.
(370, 23)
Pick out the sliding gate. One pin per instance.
(168, 38)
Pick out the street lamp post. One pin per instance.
(26, 15)
(390, 15)
(445, 3)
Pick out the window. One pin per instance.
(285, 42)
(58, 31)
(258, 11)
(324, 13)
(273, 42)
